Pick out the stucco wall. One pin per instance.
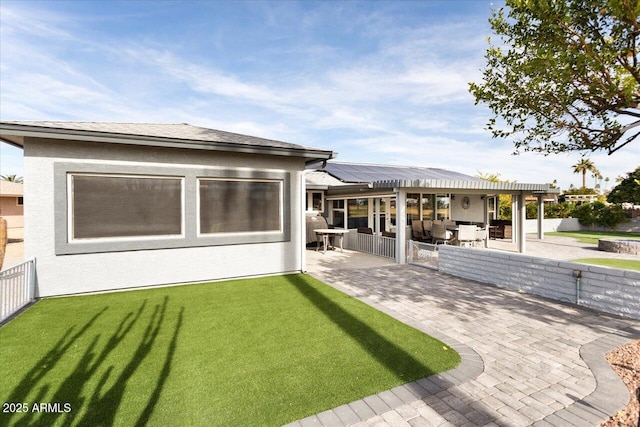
(475, 212)
(553, 224)
(605, 289)
(67, 274)
(572, 224)
(11, 211)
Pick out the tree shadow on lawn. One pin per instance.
(101, 408)
(394, 358)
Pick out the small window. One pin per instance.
(240, 206)
(20, 201)
(106, 206)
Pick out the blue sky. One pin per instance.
(377, 82)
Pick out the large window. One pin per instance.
(236, 206)
(112, 208)
(357, 213)
(413, 210)
(427, 206)
(337, 212)
(442, 203)
(105, 206)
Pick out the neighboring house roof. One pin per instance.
(11, 189)
(152, 134)
(388, 177)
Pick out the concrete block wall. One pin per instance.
(605, 289)
(572, 224)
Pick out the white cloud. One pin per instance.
(401, 96)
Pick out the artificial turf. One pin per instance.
(624, 264)
(262, 351)
(591, 237)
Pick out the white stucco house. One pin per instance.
(124, 205)
(117, 205)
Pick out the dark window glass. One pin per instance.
(240, 206)
(121, 206)
(358, 213)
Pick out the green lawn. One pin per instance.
(592, 236)
(248, 352)
(625, 264)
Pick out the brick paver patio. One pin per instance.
(526, 360)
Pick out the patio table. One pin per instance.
(328, 232)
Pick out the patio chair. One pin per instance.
(466, 234)
(365, 230)
(426, 226)
(481, 236)
(440, 235)
(417, 231)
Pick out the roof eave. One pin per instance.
(14, 134)
(437, 184)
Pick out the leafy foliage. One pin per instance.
(565, 75)
(628, 191)
(597, 213)
(504, 200)
(559, 210)
(12, 178)
(581, 190)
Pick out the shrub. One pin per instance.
(611, 216)
(597, 213)
(559, 210)
(588, 213)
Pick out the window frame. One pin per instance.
(230, 233)
(190, 237)
(71, 208)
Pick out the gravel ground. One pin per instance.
(625, 361)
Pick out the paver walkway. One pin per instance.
(526, 360)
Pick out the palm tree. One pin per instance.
(584, 166)
(12, 178)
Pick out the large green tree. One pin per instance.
(564, 74)
(628, 191)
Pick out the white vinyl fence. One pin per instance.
(371, 244)
(17, 288)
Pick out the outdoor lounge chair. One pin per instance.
(439, 234)
(466, 234)
(481, 236)
(417, 232)
(426, 226)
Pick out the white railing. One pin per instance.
(371, 244)
(17, 288)
(423, 254)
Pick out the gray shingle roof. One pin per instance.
(179, 134)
